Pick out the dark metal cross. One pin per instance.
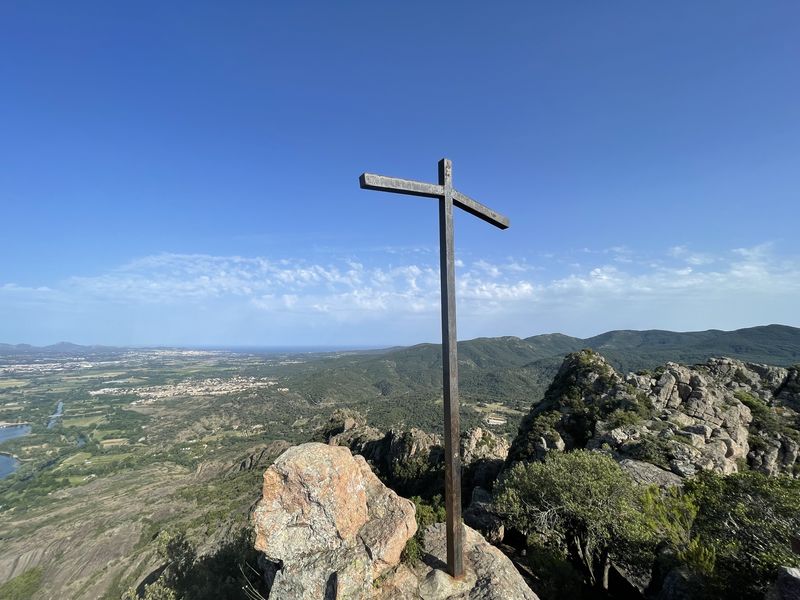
(447, 198)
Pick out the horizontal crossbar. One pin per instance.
(474, 207)
(400, 186)
(370, 181)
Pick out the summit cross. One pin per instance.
(447, 196)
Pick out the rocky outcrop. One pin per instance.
(479, 444)
(329, 523)
(773, 454)
(680, 419)
(349, 428)
(258, 458)
(328, 528)
(413, 457)
(480, 514)
(489, 574)
(483, 454)
(788, 391)
(398, 455)
(411, 447)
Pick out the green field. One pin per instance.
(12, 383)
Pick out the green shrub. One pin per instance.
(582, 502)
(427, 513)
(23, 586)
(651, 449)
(699, 557)
(556, 577)
(765, 419)
(622, 418)
(748, 520)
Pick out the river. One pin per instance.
(56, 415)
(9, 464)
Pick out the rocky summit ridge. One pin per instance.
(329, 528)
(672, 422)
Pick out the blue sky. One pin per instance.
(186, 173)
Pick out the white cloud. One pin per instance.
(23, 289)
(680, 290)
(693, 258)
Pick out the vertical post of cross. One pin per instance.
(448, 197)
(452, 465)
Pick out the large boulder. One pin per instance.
(489, 574)
(329, 529)
(645, 473)
(329, 523)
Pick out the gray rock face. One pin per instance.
(684, 419)
(774, 455)
(414, 444)
(788, 391)
(710, 427)
(787, 586)
(490, 575)
(645, 473)
(348, 428)
(330, 522)
(679, 585)
(481, 516)
(482, 455)
(259, 458)
(481, 444)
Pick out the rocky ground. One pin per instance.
(721, 416)
(330, 529)
(88, 537)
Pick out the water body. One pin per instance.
(56, 415)
(9, 464)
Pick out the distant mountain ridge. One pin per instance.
(626, 350)
(515, 372)
(630, 349)
(60, 348)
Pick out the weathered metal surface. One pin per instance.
(452, 456)
(479, 210)
(447, 198)
(400, 186)
(380, 183)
